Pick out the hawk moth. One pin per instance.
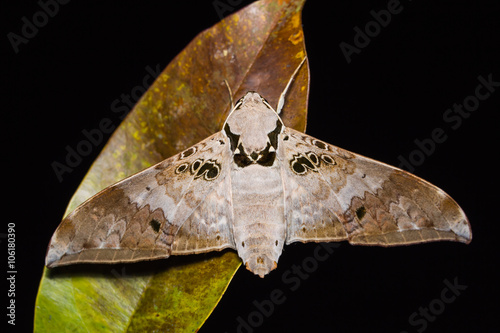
(255, 186)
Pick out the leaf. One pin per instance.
(257, 48)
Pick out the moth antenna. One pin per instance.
(281, 101)
(231, 100)
(230, 94)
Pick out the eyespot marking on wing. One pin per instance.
(210, 170)
(188, 152)
(328, 159)
(155, 224)
(300, 164)
(182, 168)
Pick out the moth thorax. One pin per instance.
(251, 126)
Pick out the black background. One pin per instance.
(394, 91)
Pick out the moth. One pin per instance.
(255, 186)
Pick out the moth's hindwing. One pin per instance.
(332, 194)
(177, 206)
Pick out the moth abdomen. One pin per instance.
(259, 226)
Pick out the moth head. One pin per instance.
(253, 127)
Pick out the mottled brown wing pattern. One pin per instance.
(154, 213)
(209, 227)
(309, 206)
(339, 195)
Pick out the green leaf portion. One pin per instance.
(257, 48)
(134, 298)
(170, 303)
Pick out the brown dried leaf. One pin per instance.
(257, 48)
